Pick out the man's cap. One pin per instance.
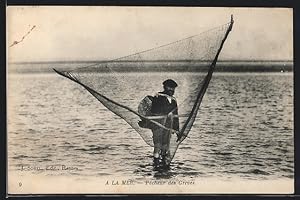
(170, 83)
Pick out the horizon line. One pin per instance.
(103, 61)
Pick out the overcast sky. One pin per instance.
(95, 33)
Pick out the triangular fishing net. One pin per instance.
(137, 75)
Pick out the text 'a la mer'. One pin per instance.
(119, 182)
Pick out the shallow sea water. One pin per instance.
(244, 129)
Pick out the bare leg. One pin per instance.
(166, 143)
(165, 147)
(157, 146)
(156, 152)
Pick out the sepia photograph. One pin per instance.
(149, 100)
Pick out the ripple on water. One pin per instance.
(244, 128)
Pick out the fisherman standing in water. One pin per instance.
(162, 108)
(164, 104)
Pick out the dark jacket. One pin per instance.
(162, 106)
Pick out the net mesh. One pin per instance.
(122, 83)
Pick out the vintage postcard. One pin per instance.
(150, 100)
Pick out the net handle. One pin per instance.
(207, 79)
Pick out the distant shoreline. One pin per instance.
(154, 66)
(104, 61)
